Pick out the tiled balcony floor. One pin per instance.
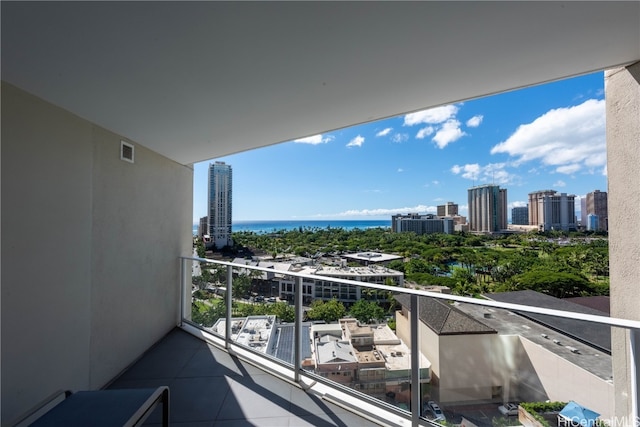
(209, 387)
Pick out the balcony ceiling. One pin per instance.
(199, 80)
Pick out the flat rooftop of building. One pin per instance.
(372, 257)
(370, 357)
(398, 357)
(219, 327)
(594, 334)
(251, 331)
(509, 323)
(355, 329)
(383, 335)
(370, 270)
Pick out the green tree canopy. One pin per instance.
(559, 284)
(329, 311)
(366, 311)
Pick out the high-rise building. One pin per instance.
(220, 202)
(550, 210)
(421, 224)
(593, 222)
(520, 215)
(536, 216)
(597, 205)
(203, 226)
(450, 209)
(583, 211)
(487, 208)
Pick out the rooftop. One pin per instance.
(593, 334)
(372, 257)
(509, 323)
(444, 318)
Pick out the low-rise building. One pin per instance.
(481, 354)
(422, 224)
(368, 258)
(384, 360)
(314, 289)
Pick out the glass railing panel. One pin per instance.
(487, 361)
(208, 289)
(476, 363)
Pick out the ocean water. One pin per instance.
(272, 226)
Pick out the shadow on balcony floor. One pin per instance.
(209, 387)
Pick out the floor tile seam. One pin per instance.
(204, 420)
(179, 376)
(186, 363)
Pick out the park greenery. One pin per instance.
(555, 263)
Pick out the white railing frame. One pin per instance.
(632, 325)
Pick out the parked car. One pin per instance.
(436, 411)
(508, 409)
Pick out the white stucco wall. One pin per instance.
(563, 381)
(90, 249)
(622, 92)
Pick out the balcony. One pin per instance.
(212, 387)
(220, 381)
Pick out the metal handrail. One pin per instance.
(414, 418)
(606, 320)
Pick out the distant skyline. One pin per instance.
(549, 136)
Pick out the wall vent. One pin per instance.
(126, 152)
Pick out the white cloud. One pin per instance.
(493, 172)
(400, 170)
(424, 132)
(315, 139)
(568, 169)
(569, 138)
(356, 142)
(386, 212)
(475, 121)
(517, 204)
(431, 116)
(604, 170)
(469, 171)
(559, 183)
(436, 182)
(448, 133)
(384, 132)
(400, 137)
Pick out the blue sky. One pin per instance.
(549, 136)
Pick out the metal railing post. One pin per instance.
(634, 375)
(415, 363)
(183, 298)
(297, 349)
(229, 300)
